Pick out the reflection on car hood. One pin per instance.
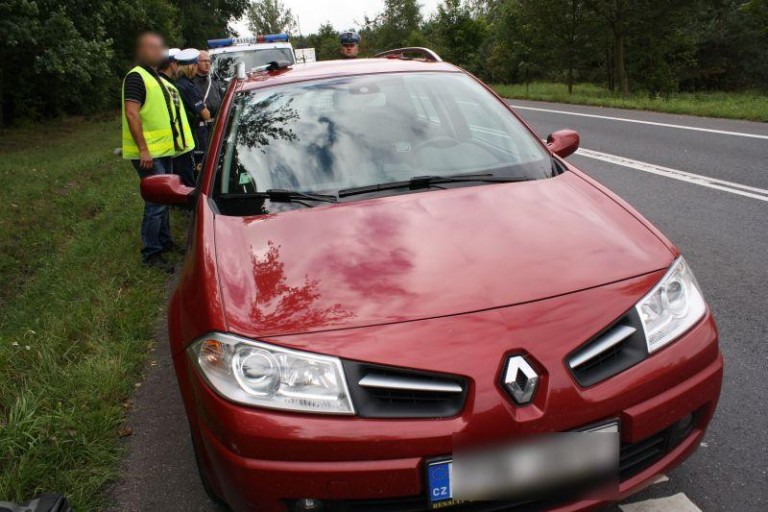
(424, 255)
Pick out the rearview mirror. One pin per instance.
(165, 189)
(563, 143)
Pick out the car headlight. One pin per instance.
(672, 307)
(263, 375)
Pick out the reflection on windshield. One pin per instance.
(328, 135)
(265, 120)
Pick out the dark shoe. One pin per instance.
(176, 249)
(157, 261)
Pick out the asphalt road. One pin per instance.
(717, 214)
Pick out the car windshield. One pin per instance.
(224, 63)
(329, 135)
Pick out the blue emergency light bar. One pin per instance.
(230, 41)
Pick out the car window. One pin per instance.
(224, 64)
(327, 135)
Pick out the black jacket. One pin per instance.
(209, 89)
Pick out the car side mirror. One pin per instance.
(165, 189)
(563, 143)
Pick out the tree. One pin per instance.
(501, 62)
(398, 23)
(205, 19)
(758, 9)
(616, 15)
(559, 30)
(270, 17)
(732, 50)
(18, 25)
(327, 42)
(458, 36)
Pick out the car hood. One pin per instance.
(426, 255)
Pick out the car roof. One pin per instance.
(341, 68)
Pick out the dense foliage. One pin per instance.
(67, 56)
(655, 46)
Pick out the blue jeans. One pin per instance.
(155, 226)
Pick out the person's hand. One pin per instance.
(145, 160)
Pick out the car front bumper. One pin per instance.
(264, 460)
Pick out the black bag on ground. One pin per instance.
(42, 503)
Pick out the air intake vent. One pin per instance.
(383, 392)
(619, 347)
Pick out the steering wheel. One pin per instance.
(441, 141)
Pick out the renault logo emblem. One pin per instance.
(520, 380)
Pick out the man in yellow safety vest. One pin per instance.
(155, 130)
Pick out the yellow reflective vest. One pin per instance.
(163, 120)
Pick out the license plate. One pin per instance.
(440, 472)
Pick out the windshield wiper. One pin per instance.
(278, 195)
(419, 182)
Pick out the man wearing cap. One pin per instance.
(197, 113)
(169, 67)
(350, 44)
(155, 130)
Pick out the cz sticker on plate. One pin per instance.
(439, 484)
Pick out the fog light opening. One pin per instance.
(308, 505)
(683, 427)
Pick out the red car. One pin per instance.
(386, 264)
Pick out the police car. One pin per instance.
(253, 52)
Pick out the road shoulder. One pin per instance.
(158, 471)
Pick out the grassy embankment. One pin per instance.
(77, 309)
(745, 105)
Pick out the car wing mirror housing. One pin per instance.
(165, 189)
(563, 143)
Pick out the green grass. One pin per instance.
(77, 308)
(744, 105)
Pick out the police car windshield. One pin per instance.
(330, 135)
(224, 64)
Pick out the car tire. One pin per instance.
(212, 495)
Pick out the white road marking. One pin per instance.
(661, 479)
(760, 194)
(677, 503)
(638, 121)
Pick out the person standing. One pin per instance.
(208, 86)
(197, 113)
(350, 44)
(169, 67)
(154, 131)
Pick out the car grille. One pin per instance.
(634, 458)
(384, 392)
(614, 350)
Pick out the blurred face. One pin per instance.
(170, 69)
(150, 50)
(349, 50)
(204, 63)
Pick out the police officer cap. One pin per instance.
(350, 37)
(187, 56)
(172, 53)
